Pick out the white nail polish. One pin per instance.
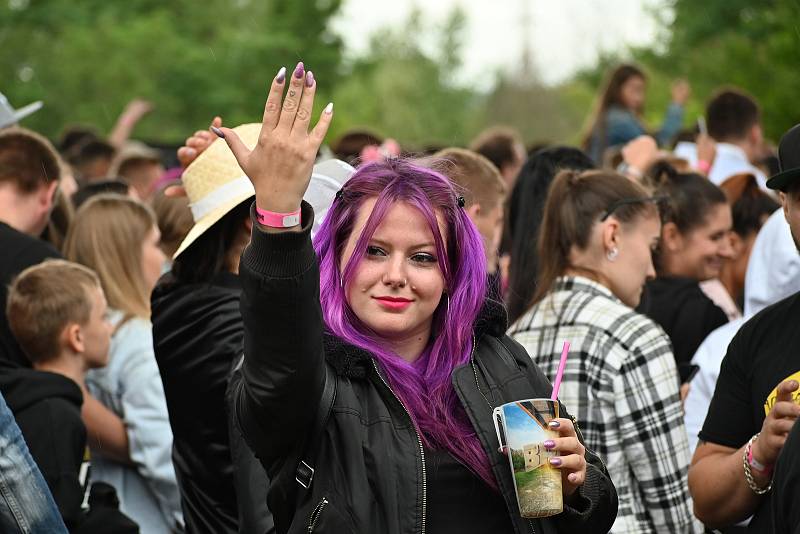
(329, 108)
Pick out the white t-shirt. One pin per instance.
(729, 161)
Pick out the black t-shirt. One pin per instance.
(459, 502)
(785, 513)
(19, 251)
(685, 313)
(764, 353)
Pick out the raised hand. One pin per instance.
(197, 143)
(281, 162)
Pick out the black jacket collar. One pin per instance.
(354, 362)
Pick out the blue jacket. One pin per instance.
(622, 126)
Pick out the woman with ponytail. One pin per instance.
(597, 233)
(371, 362)
(694, 247)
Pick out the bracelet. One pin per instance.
(277, 220)
(748, 475)
(703, 166)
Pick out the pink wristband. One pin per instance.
(755, 465)
(703, 166)
(277, 220)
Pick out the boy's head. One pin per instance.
(484, 191)
(30, 170)
(58, 307)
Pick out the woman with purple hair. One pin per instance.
(373, 359)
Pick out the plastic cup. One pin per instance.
(522, 427)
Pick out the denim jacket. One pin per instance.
(622, 126)
(26, 505)
(131, 387)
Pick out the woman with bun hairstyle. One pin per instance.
(118, 238)
(695, 244)
(597, 233)
(371, 365)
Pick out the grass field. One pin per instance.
(530, 486)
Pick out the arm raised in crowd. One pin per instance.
(283, 368)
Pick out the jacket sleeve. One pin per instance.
(144, 409)
(283, 369)
(673, 119)
(654, 442)
(594, 507)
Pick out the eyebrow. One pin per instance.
(388, 245)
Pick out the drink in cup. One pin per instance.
(522, 428)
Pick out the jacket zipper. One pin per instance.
(421, 449)
(315, 514)
(491, 407)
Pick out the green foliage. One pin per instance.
(401, 90)
(193, 60)
(517, 459)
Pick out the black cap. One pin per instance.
(789, 157)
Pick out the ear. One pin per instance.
(671, 238)
(474, 211)
(756, 134)
(47, 195)
(784, 198)
(611, 229)
(73, 338)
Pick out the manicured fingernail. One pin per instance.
(218, 132)
(191, 152)
(554, 425)
(309, 79)
(329, 108)
(298, 70)
(281, 75)
(502, 450)
(549, 444)
(572, 477)
(556, 462)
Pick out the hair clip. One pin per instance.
(461, 202)
(339, 194)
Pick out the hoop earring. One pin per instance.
(612, 254)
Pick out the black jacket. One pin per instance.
(47, 407)
(685, 313)
(197, 334)
(19, 251)
(369, 463)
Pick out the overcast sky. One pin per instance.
(566, 34)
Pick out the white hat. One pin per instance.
(10, 116)
(215, 184)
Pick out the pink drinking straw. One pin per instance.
(560, 373)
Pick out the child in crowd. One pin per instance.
(57, 311)
(484, 195)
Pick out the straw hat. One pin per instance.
(215, 184)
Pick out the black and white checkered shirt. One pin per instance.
(621, 383)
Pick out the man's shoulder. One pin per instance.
(21, 250)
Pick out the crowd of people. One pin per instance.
(270, 332)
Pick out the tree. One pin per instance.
(406, 92)
(194, 60)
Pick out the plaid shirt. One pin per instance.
(621, 383)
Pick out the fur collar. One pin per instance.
(353, 362)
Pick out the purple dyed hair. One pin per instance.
(424, 386)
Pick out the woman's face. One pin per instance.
(152, 258)
(633, 265)
(632, 93)
(704, 250)
(397, 285)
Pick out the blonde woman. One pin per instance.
(118, 238)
